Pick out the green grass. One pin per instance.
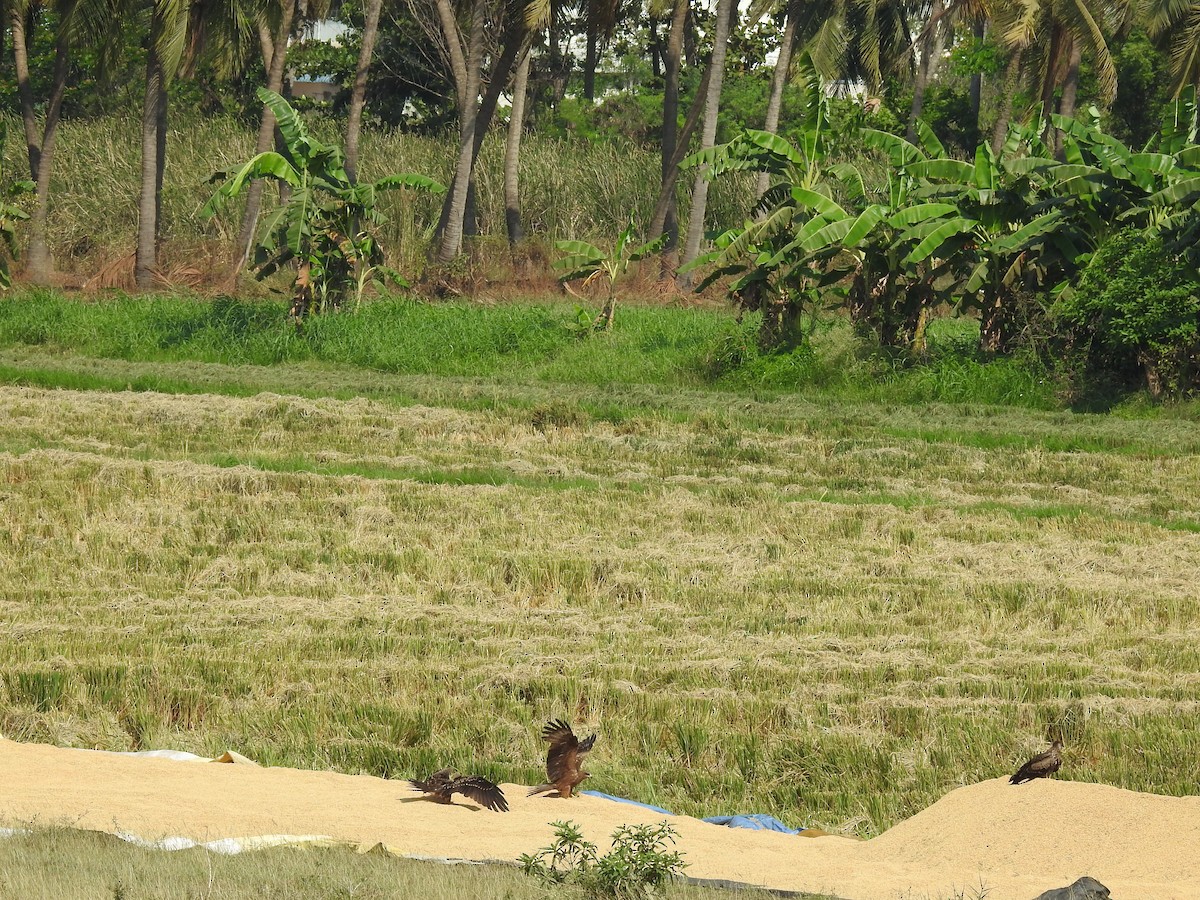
(62, 864)
(667, 347)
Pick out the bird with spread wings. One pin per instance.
(1041, 766)
(441, 785)
(564, 759)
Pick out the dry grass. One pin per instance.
(829, 614)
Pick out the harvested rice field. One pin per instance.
(834, 614)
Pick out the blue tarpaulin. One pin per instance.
(753, 821)
(602, 796)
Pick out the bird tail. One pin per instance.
(541, 789)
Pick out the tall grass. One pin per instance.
(570, 189)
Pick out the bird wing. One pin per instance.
(482, 791)
(1023, 774)
(1043, 764)
(562, 759)
(434, 782)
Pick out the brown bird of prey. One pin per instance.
(1041, 766)
(564, 759)
(440, 786)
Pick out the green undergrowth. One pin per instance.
(663, 346)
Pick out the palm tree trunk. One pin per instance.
(778, 82)
(145, 260)
(456, 202)
(40, 264)
(25, 90)
(589, 59)
(978, 30)
(480, 111)
(666, 195)
(708, 137)
(1050, 79)
(358, 97)
(266, 136)
(1010, 86)
(668, 221)
(512, 152)
(1066, 106)
(931, 51)
(160, 161)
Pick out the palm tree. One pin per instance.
(931, 43)
(40, 264)
(284, 14)
(787, 44)
(358, 95)
(182, 32)
(1052, 37)
(726, 11)
(667, 223)
(600, 18)
(476, 107)
(855, 40)
(1177, 24)
(512, 152)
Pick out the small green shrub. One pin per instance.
(638, 866)
(1138, 304)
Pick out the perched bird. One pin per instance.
(564, 759)
(439, 787)
(1041, 766)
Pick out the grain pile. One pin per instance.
(1008, 842)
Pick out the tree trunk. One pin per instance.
(516, 42)
(160, 161)
(778, 82)
(708, 137)
(978, 30)
(146, 260)
(512, 152)
(666, 195)
(668, 222)
(40, 264)
(1066, 106)
(456, 201)
(589, 59)
(358, 96)
(931, 51)
(25, 91)
(1050, 81)
(266, 137)
(1010, 86)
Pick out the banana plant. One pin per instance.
(325, 227)
(1003, 235)
(588, 262)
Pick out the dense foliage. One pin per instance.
(940, 159)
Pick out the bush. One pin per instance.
(637, 866)
(1138, 305)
